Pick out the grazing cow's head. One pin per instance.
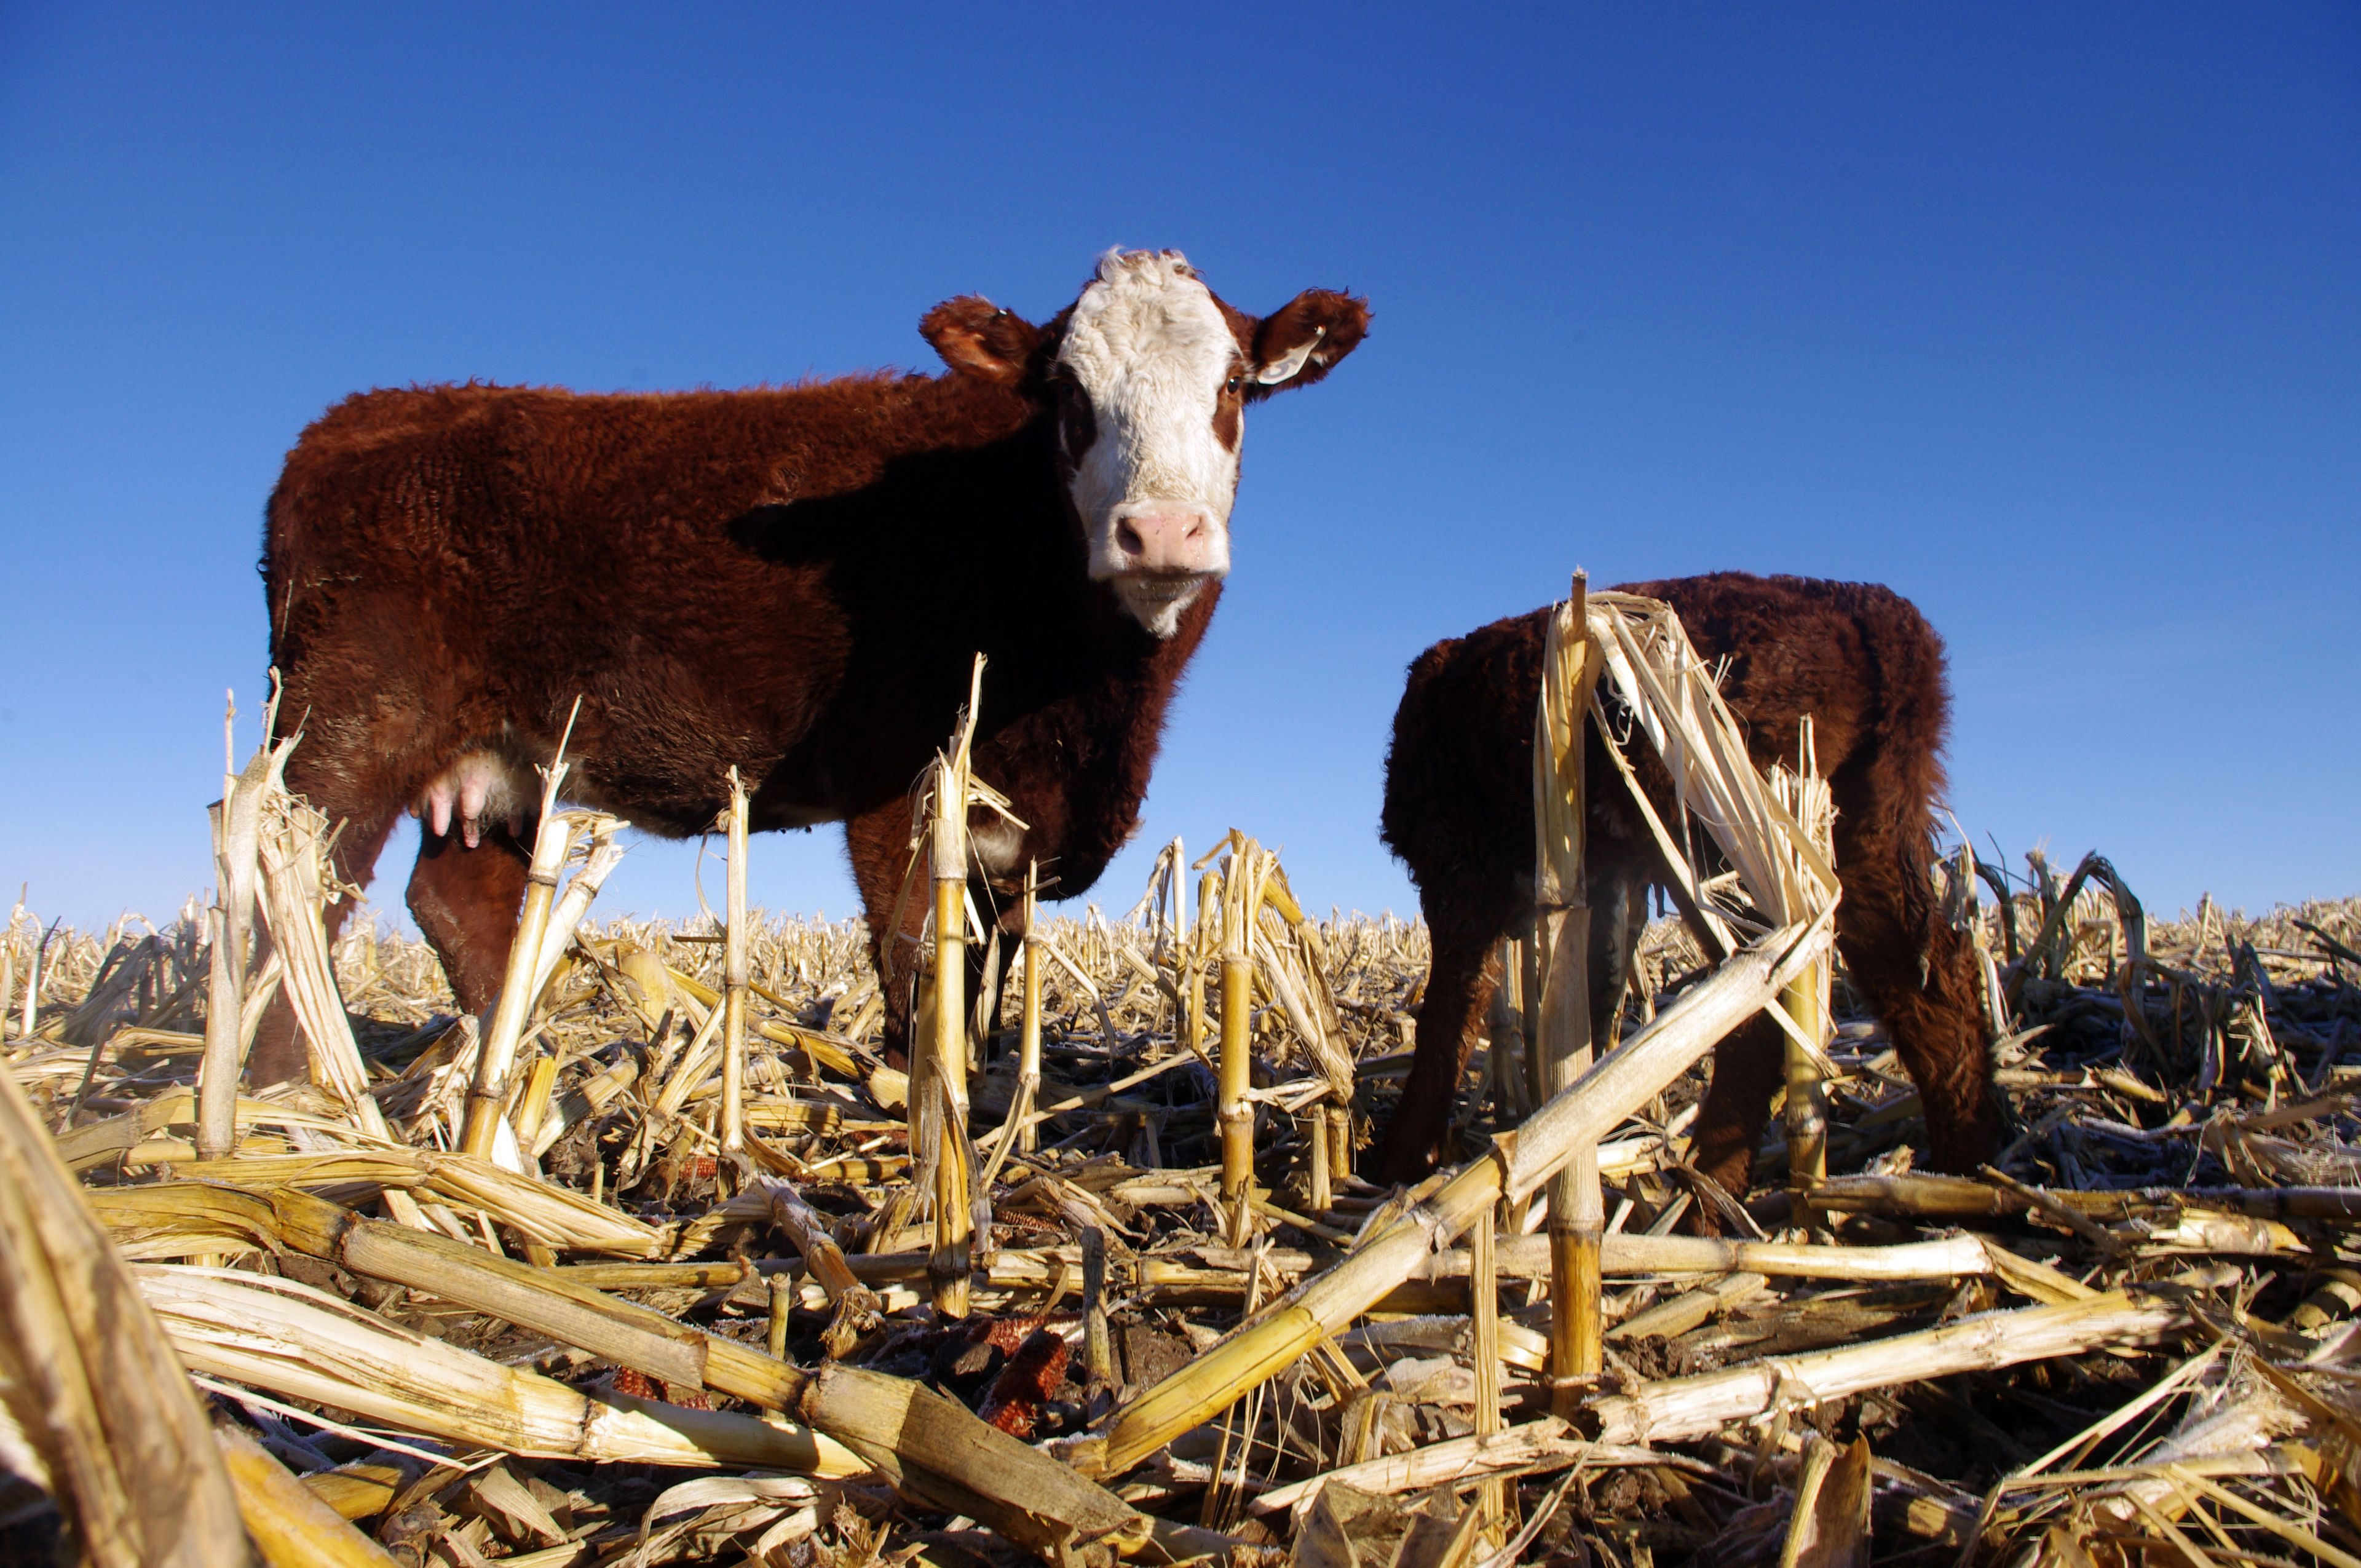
(1149, 373)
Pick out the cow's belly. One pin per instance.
(489, 786)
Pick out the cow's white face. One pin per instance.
(1155, 457)
(1148, 375)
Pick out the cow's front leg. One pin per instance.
(878, 845)
(466, 901)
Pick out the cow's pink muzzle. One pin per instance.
(1181, 541)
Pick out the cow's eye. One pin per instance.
(1232, 384)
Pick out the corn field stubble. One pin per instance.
(2134, 1338)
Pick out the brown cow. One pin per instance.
(1869, 670)
(792, 582)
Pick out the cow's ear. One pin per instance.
(978, 339)
(1303, 339)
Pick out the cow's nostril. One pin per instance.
(1128, 539)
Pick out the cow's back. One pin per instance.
(721, 576)
(1857, 657)
(460, 486)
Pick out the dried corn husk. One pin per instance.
(91, 1385)
(303, 1344)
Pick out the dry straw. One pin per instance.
(90, 1387)
(1170, 1272)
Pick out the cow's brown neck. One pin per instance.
(1075, 690)
(1076, 768)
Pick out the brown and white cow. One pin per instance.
(789, 581)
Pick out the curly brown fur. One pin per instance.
(1869, 670)
(792, 582)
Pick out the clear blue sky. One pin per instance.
(2049, 315)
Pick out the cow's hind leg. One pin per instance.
(1920, 977)
(989, 965)
(1748, 1067)
(278, 1052)
(1459, 986)
(877, 843)
(1619, 915)
(466, 901)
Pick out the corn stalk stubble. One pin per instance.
(90, 1380)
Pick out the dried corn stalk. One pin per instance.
(1663, 689)
(735, 978)
(236, 819)
(297, 887)
(1561, 1045)
(938, 1086)
(545, 929)
(1626, 1080)
(88, 1380)
(304, 1344)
